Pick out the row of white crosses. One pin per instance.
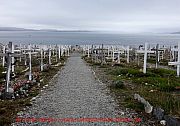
(119, 50)
(86, 50)
(10, 54)
(177, 63)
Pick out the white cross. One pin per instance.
(49, 55)
(41, 58)
(145, 51)
(88, 51)
(9, 56)
(13, 58)
(59, 52)
(4, 51)
(178, 61)
(30, 60)
(112, 54)
(127, 54)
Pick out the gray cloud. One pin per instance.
(113, 15)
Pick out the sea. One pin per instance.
(87, 38)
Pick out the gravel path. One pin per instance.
(75, 93)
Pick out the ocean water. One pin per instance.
(83, 38)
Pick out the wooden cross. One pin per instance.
(88, 50)
(127, 49)
(41, 58)
(59, 52)
(49, 55)
(30, 60)
(4, 51)
(178, 61)
(9, 54)
(145, 52)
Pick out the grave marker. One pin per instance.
(178, 61)
(145, 51)
(9, 54)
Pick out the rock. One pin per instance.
(122, 113)
(20, 113)
(158, 113)
(163, 122)
(148, 108)
(41, 80)
(46, 85)
(136, 96)
(33, 99)
(170, 121)
(118, 84)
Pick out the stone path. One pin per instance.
(75, 93)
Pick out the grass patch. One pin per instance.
(155, 86)
(9, 108)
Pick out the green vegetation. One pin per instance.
(158, 86)
(9, 108)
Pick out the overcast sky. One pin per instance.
(105, 15)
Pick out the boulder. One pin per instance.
(158, 113)
(171, 121)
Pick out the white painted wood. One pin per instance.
(4, 51)
(145, 52)
(41, 58)
(50, 56)
(30, 65)
(118, 57)
(145, 58)
(12, 59)
(59, 52)
(88, 51)
(178, 61)
(112, 54)
(127, 54)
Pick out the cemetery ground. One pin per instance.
(158, 86)
(10, 108)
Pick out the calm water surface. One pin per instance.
(73, 38)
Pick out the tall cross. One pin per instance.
(127, 49)
(178, 61)
(145, 52)
(59, 52)
(41, 58)
(9, 54)
(49, 55)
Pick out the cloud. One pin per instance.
(113, 15)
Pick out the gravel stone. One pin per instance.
(75, 93)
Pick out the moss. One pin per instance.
(135, 105)
(118, 84)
